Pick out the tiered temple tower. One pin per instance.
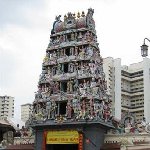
(71, 108)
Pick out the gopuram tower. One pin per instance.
(71, 110)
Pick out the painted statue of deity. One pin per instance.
(98, 108)
(75, 86)
(76, 51)
(88, 36)
(46, 59)
(59, 70)
(48, 109)
(83, 109)
(92, 67)
(70, 86)
(56, 88)
(81, 52)
(69, 109)
(64, 38)
(89, 51)
(72, 36)
(106, 112)
(54, 55)
(53, 110)
(71, 67)
(80, 36)
(91, 107)
(61, 39)
(93, 83)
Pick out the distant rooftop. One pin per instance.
(26, 104)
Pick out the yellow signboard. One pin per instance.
(62, 137)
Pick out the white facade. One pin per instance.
(146, 66)
(112, 70)
(129, 87)
(6, 107)
(26, 111)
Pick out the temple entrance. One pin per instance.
(62, 147)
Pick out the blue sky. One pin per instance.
(25, 27)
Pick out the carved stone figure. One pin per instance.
(70, 86)
(93, 83)
(61, 53)
(89, 51)
(72, 37)
(83, 109)
(76, 51)
(39, 115)
(92, 67)
(88, 89)
(99, 110)
(54, 55)
(71, 67)
(53, 110)
(84, 84)
(88, 36)
(91, 107)
(89, 19)
(81, 52)
(79, 70)
(46, 59)
(76, 36)
(57, 20)
(96, 110)
(106, 114)
(56, 88)
(61, 39)
(69, 109)
(75, 86)
(54, 70)
(64, 38)
(48, 109)
(81, 89)
(57, 40)
(59, 70)
(80, 36)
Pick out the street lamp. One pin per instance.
(144, 48)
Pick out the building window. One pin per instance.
(64, 86)
(62, 108)
(67, 52)
(66, 68)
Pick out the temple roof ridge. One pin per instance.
(74, 21)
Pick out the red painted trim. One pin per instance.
(44, 140)
(80, 145)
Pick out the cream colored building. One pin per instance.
(129, 141)
(26, 111)
(6, 107)
(112, 70)
(129, 87)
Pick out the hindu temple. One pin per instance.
(72, 110)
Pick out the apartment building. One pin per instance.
(25, 111)
(112, 70)
(129, 87)
(6, 107)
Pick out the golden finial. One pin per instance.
(83, 14)
(78, 15)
